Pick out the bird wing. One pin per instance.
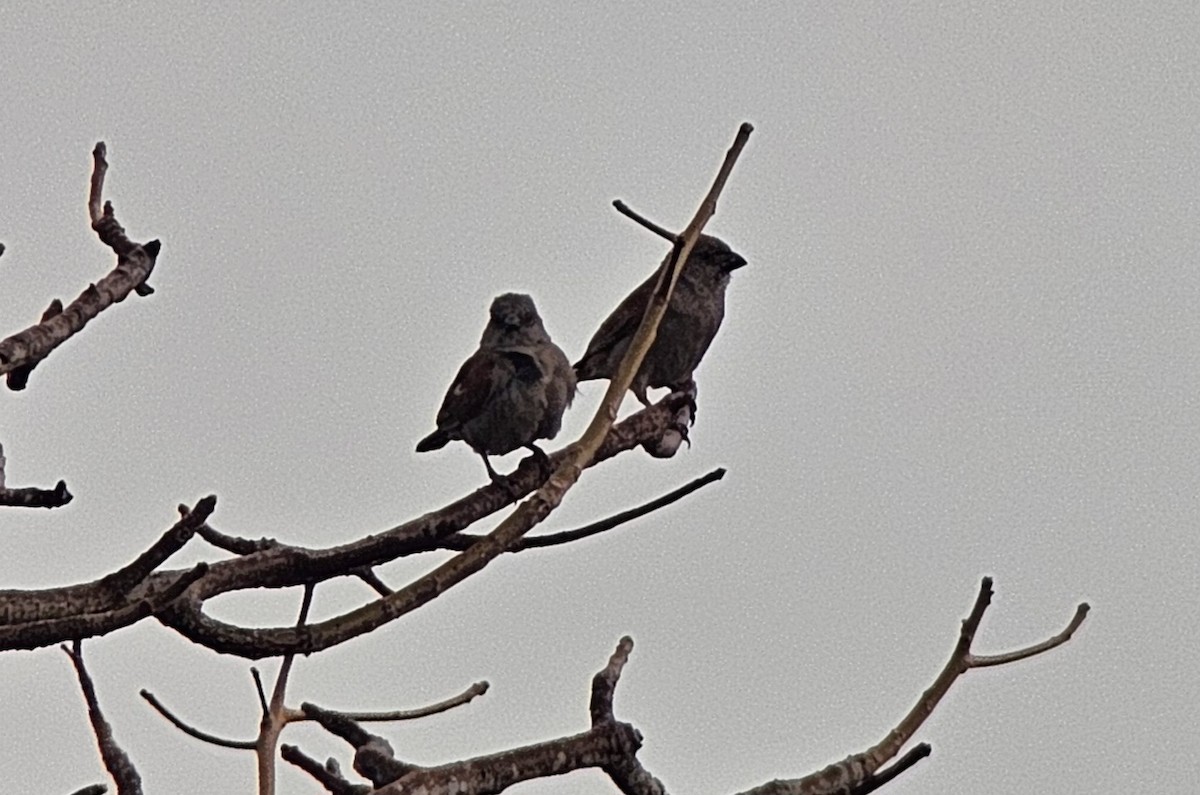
(616, 330)
(480, 377)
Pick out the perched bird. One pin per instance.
(510, 392)
(688, 326)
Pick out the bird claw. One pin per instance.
(502, 482)
(542, 461)
(687, 395)
(681, 428)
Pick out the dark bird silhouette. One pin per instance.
(687, 329)
(510, 392)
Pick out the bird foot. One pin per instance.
(503, 482)
(676, 432)
(542, 461)
(686, 393)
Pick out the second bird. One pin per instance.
(509, 393)
(687, 329)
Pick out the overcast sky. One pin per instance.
(965, 344)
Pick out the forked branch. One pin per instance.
(862, 769)
(22, 351)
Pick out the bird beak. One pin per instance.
(734, 262)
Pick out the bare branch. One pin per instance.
(233, 544)
(42, 632)
(110, 592)
(191, 731)
(464, 540)
(116, 761)
(984, 661)
(18, 379)
(256, 675)
(285, 667)
(283, 565)
(861, 769)
(584, 450)
(486, 775)
(465, 697)
(31, 497)
(369, 576)
(604, 683)
(277, 715)
(624, 209)
(373, 755)
(37, 498)
(123, 580)
(326, 775)
(94, 789)
(134, 265)
(885, 775)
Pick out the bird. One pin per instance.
(511, 392)
(687, 328)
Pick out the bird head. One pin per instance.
(711, 262)
(513, 320)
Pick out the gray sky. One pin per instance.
(965, 344)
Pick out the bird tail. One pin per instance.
(434, 441)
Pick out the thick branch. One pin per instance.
(284, 566)
(35, 618)
(35, 634)
(600, 746)
(19, 607)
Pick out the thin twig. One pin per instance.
(192, 731)
(625, 210)
(286, 667)
(369, 576)
(234, 544)
(604, 683)
(116, 761)
(477, 689)
(278, 716)
(985, 661)
(262, 693)
(464, 540)
(331, 780)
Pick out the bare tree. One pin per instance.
(176, 597)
